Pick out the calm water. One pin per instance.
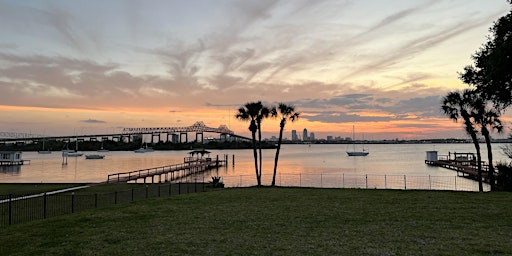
(297, 162)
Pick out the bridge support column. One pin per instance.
(186, 137)
(197, 136)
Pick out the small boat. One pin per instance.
(144, 149)
(47, 151)
(74, 154)
(363, 152)
(94, 156)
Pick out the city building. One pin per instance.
(294, 135)
(305, 135)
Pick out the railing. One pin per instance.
(361, 181)
(19, 209)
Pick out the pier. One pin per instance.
(190, 166)
(465, 164)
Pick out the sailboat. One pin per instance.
(363, 152)
(75, 153)
(47, 151)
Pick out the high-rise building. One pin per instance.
(305, 135)
(294, 135)
(312, 136)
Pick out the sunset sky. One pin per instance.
(88, 67)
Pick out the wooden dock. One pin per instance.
(190, 166)
(463, 163)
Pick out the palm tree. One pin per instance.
(285, 112)
(488, 119)
(255, 112)
(456, 105)
(264, 112)
(249, 112)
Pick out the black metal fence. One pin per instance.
(19, 209)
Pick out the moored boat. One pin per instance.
(94, 156)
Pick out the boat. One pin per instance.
(94, 156)
(363, 152)
(144, 149)
(47, 151)
(74, 153)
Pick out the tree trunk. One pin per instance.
(259, 147)
(478, 161)
(277, 153)
(491, 177)
(258, 179)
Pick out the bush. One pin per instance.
(504, 178)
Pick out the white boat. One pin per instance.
(144, 149)
(74, 153)
(44, 151)
(94, 156)
(354, 152)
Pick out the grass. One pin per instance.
(279, 221)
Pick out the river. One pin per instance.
(323, 165)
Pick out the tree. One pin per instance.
(264, 112)
(488, 119)
(285, 113)
(491, 73)
(249, 112)
(254, 112)
(458, 105)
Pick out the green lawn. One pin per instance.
(279, 221)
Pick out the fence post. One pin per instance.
(429, 183)
(44, 205)
(343, 180)
(10, 209)
(146, 191)
(240, 180)
(366, 180)
(72, 202)
(321, 180)
(405, 182)
(385, 182)
(455, 179)
(300, 179)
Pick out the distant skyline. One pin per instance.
(86, 67)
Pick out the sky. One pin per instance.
(91, 67)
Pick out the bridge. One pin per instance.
(173, 134)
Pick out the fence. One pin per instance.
(19, 209)
(362, 181)
(15, 209)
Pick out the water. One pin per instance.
(313, 165)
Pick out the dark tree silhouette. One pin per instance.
(254, 112)
(491, 73)
(285, 113)
(457, 105)
(249, 112)
(488, 119)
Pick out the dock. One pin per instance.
(190, 166)
(11, 158)
(465, 164)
